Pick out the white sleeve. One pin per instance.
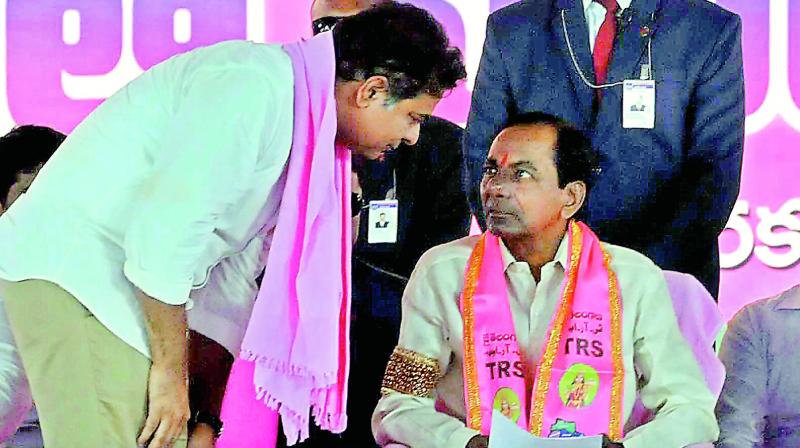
(672, 382)
(222, 123)
(406, 413)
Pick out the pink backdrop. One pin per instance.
(62, 57)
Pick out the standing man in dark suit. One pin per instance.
(670, 170)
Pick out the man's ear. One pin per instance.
(575, 196)
(373, 89)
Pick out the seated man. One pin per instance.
(761, 395)
(540, 320)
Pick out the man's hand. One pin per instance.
(167, 407)
(168, 389)
(478, 442)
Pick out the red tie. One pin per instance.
(605, 41)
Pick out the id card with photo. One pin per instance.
(639, 104)
(383, 216)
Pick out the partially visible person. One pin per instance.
(760, 402)
(542, 314)
(23, 152)
(327, 13)
(670, 168)
(207, 157)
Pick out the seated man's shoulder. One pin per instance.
(447, 259)
(628, 262)
(765, 309)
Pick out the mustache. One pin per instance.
(492, 207)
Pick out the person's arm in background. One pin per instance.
(715, 140)
(490, 109)
(15, 394)
(741, 409)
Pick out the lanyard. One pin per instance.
(647, 70)
(391, 195)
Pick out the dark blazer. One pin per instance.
(433, 209)
(666, 192)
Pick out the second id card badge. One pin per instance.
(638, 104)
(382, 224)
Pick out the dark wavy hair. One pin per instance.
(401, 42)
(23, 150)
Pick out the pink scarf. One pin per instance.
(577, 388)
(299, 330)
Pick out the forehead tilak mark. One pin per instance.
(504, 160)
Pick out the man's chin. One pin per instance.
(502, 230)
(372, 153)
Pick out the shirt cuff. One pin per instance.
(169, 292)
(460, 437)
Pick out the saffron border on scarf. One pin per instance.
(615, 308)
(468, 315)
(544, 370)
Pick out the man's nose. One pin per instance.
(497, 186)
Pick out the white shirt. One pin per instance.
(179, 172)
(654, 350)
(595, 16)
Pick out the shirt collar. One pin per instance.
(560, 258)
(790, 300)
(623, 4)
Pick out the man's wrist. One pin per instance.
(206, 419)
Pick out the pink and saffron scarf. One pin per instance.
(578, 384)
(299, 329)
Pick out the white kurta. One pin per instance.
(654, 349)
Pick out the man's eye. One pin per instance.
(489, 171)
(522, 174)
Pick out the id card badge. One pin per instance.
(382, 223)
(638, 104)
